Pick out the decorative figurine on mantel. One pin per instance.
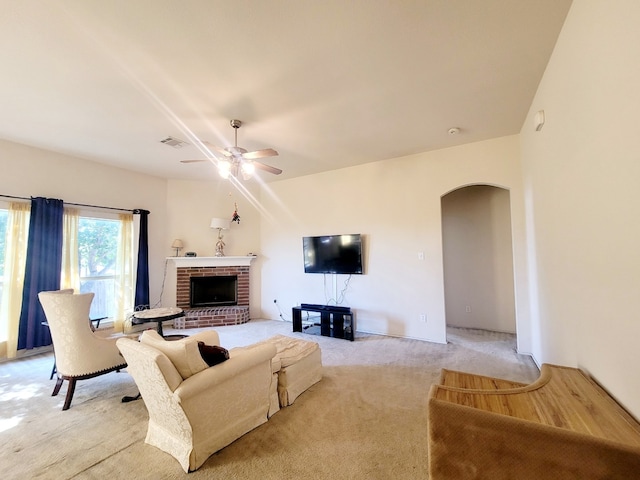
(220, 247)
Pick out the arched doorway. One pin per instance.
(478, 259)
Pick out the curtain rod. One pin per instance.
(136, 210)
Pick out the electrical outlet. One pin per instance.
(468, 309)
(423, 317)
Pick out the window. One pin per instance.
(97, 255)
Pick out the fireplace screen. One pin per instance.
(216, 291)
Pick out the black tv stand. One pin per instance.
(326, 320)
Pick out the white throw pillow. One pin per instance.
(183, 353)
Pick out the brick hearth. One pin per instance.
(212, 317)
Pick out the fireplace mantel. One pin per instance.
(232, 261)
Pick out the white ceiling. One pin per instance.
(328, 84)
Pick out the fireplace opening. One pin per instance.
(215, 291)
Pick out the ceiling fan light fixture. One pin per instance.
(224, 168)
(248, 169)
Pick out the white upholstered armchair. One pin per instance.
(196, 410)
(79, 352)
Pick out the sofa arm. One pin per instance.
(239, 361)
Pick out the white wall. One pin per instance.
(581, 176)
(28, 172)
(395, 204)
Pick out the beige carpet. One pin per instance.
(366, 419)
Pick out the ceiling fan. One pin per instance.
(238, 160)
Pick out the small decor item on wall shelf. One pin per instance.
(235, 217)
(190, 254)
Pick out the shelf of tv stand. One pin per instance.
(326, 320)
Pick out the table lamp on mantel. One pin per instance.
(178, 245)
(220, 224)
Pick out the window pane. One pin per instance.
(97, 246)
(104, 301)
(97, 252)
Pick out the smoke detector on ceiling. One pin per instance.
(454, 131)
(174, 142)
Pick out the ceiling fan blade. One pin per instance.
(267, 152)
(215, 148)
(268, 168)
(193, 161)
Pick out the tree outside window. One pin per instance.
(97, 252)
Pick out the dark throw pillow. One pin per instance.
(212, 354)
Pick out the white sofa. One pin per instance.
(195, 410)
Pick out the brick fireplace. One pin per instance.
(230, 311)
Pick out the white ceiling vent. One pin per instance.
(174, 142)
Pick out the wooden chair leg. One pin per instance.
(70, 389)
(56, 389)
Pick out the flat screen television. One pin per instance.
(333, 254)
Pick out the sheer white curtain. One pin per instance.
(14, 268)
(70, 274)
(125, 282)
